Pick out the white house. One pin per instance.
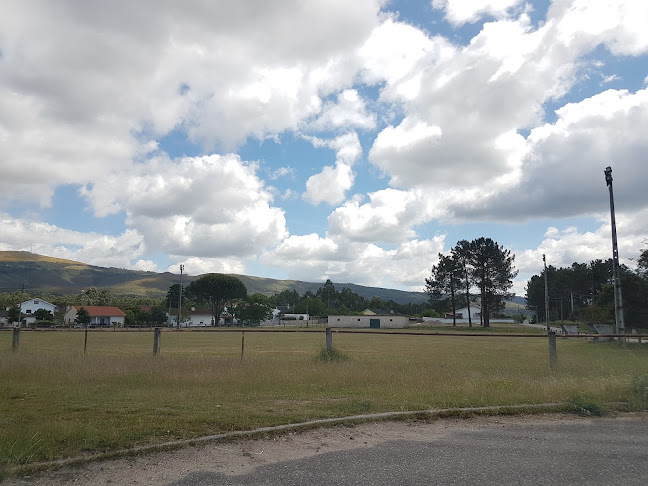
(204, 318)
(29, 307)
(101, 316)
(389, 321)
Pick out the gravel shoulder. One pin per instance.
(237, 457)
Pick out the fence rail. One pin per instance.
(328, 335)
(323, 330)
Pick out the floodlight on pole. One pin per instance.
(618, 300)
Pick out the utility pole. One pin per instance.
(618, 300)
(180, 297)
(544, 260)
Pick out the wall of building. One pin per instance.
(386, 322)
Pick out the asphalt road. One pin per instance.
(604, 451)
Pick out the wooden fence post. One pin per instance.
(156, 340)
(553, 355)
(16, 338)
(242, 344)
(329, 339)
(85, 340)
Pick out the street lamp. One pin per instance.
(618, 300)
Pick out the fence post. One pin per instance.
(553, 355)
(156, 340)
(16, 338)
(329, 339)
(85, 340)
(242, 344)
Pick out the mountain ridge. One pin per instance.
(40, 273)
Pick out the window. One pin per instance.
(28, 311)
(36, 302)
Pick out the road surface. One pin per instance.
(535, 450)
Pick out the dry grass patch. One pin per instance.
(55, 402)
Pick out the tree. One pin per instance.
(642, 263)
(43, 315)
(83, 317)
(217, 291)
(14, 314)
(254, 308)
(461, 254)
(444, 281)
(173, 296)
(157, 315)
(327, 293)
(493, 273)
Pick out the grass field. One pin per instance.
(57, 402)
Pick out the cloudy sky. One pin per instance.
(350, 140)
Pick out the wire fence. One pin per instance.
(327, 331)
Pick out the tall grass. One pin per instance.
(57, 402)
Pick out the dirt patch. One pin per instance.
(241, 456)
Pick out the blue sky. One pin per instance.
(326, 139)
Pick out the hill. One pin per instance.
(57, 276)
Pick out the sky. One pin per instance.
(322, 139)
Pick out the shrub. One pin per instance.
(36, 324)
(581, 405)
(331, 354)
(639, 389)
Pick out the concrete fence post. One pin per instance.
(16, 338)
(156, 340)
(553, 355)
(329, 339)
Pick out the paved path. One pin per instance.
(596, 452)
(551, 449)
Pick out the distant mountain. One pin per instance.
(40, 273)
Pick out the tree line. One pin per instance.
(217, 292)
(585, 292)
(482, 265)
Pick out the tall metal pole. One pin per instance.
(544, 260)
(618, 300)
(180, 297)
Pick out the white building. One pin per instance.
(204, 318)
(29, 307)
(100, 316)
(389, 321)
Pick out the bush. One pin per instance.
(581, 405)
(36, 324)
(332, 354)
(639, 389)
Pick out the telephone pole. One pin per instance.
(618, 300)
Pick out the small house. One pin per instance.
(100, 316)
(29, 307)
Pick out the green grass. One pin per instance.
(55, 402)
